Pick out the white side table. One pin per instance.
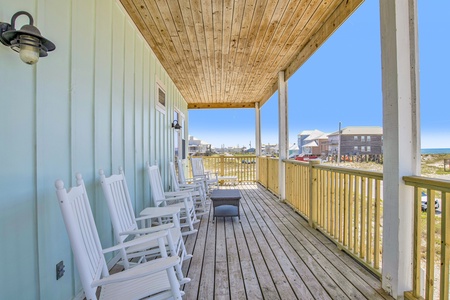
(159, 212)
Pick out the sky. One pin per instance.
(341, 82)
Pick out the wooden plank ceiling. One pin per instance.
(227, 53)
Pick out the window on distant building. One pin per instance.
(355, 148)
(355, 138)
(368, 138)
(368, 149)
(363, 139)
(363, 149)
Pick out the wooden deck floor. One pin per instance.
(271, 254)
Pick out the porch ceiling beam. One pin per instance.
(221, 105)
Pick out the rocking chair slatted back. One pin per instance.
(119, 202)
(197, 167)
(156, 184)
(173, 175)
(181, 177)
(82, 233)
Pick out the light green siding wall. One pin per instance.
(90, 104)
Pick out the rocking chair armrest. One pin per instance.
(139, 271)
(200, 177)
(187, 188)
(135, 242)
(194, 180)
(176, 194)
(152, 217)
(193, 186)
(184, 198)
(216, 174)
(145, 217)
(193, 183)
(148, 229)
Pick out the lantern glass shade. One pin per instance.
(29, 52)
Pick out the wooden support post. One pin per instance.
(283, 135)
(401, 139)
(257, 137)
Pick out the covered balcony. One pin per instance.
(116, 92)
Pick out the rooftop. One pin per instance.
(351, 130)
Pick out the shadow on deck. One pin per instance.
(271, 254)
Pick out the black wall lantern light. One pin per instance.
(176, 125)
(27, 41)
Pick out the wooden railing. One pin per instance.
(268, 173)
(345, 204)
(437, 232)
(297, 186)
(342, 203)
(242, 166)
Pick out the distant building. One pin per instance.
(305, 137)
(313, 142)
(356, 140)
(269, 149)
(294, 150)
(198, 146)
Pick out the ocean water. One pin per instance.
(435, 151)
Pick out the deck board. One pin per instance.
(272, 253)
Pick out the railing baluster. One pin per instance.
(341, 206)
(313, 194)
(377, 234)
(346, 207)
(362, 244)
(369, 247)
(322, 198)
(445, 246)
(351, 200)
(356, 214)
(329, 200)
(430, 244)
(417, 243)
(332, 204)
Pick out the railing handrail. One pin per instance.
(344, 170)
(427, 182)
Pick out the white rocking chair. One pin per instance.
(117, 196)
(198, 172)
(151, 280)
(183, 180)
(196, 189)
(183, 200)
